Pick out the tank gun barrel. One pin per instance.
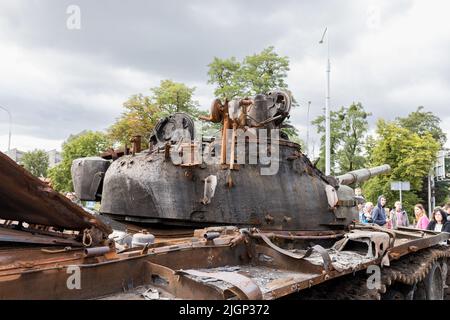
(362, 174)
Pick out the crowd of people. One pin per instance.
(397, 217)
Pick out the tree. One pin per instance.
(350, 155)
(85, 144)
(422, 122)
(348, 128)
(171, 97)
(258, 73)
(225, 74)
(264, 72)
(336, 118)
(142, 113)
(139, 118)
(36, 162)
(369, 145)
(410, 156)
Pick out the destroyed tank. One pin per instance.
(268, 224)
(253, 175)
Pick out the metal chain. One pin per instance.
(87, 235)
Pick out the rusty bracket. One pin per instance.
(373, 239)
(391, 233)
(327, 263)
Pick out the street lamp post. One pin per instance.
(10, 124)
(327, 107)
(307, 130)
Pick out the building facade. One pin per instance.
(54, 157)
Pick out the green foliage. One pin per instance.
(171, 97)
(369, 145)
(410, 156)
(36, 162)
(258, 73)
(226, 75)
(422, 122)
(139, 118)
(348, 128)
(143, 112)
(264, 72)
(85, 144)
(354, 128)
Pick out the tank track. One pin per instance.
(408, 270)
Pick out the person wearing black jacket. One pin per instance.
(379, 214)
(439, 222)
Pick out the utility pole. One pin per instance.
(327, 108)
(307, 130)
(431, 196)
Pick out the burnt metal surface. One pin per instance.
(269, 110)
(114, 153)
(239, 266)
(165, 193)
(19, 236)
(244, 287)
(172, 184)
(293, 199)
(87, 176)
(172, 129)
(25, 198)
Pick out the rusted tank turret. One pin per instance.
(251, 176)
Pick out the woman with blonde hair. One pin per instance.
(421, 217)
(366, 214)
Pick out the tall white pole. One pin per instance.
(10, 124)
(307, 130)
(327, 109)
(327, 120)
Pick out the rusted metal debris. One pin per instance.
(19, 236)
(114, 153)
(278, 235)
(26, 199)
(237, 264)
(243, 287)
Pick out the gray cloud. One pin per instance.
(391, 56)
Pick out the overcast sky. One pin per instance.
(391, 56)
